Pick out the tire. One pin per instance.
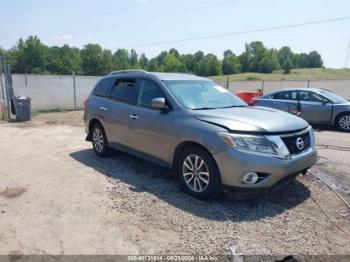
(99, 141)
(343, 122)
(205, 169)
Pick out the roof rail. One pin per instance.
(127, 71)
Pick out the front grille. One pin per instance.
(291, 143)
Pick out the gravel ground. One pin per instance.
(57, 197)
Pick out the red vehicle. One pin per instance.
(247, 96)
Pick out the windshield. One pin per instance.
(333, 97)
(201, 94)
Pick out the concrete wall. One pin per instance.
(52, 91)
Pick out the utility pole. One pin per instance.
(74, 91)
(347, 55)
(1, 82)
(7, 87)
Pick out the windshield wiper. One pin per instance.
(204, 108)
(234, 106)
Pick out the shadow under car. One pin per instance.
(142, 176)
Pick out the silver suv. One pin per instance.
(208, 136)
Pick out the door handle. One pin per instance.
(102, 108)
(134, 116)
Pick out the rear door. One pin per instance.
(285, 101)
(121, 102)
(314, 108)
(99, 101)
(150, 127)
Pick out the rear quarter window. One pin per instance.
(103, 86)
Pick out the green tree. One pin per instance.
(269, 62)
(285, 54)
(314, 60)
(143, 61)
(121, 59)
(303, 61)
(189, 61)
(296, 60)
(95, 60)
(30, 56)
(133, 59)
(208, 66)
(63, 60)
(244, 61)
(107, 62)
(214, 65)
(230, 63)
(161, 57)
(172, 64)
(175, 52)
(198, 56)
(91, 56)
(153, 65)
(287, 66)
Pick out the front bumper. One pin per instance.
(233, 164)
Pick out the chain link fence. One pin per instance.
(68, 92)
(340, 87)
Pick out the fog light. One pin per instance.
(250, 178)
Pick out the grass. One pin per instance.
(38, 112)
(295, 74)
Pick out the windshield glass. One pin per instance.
(333, 97)
(201, 94)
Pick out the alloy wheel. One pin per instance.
(344, 122)
(97, 139)
(195, 173)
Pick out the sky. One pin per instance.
(137, 23)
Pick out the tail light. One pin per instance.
(252, 102)
(86, 102)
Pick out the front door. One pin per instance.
(313, 108)
(150, 127)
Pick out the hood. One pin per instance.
(252, 119)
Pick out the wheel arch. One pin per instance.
(181, 147)
(91, 124)
(339, 115)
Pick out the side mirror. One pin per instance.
(159, 103)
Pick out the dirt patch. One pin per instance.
(13, 192)
(69, 118)
(77, 203)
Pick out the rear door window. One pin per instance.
(286, 95)
(125, 90)
(103, 86)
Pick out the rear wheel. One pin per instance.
(99, 141)
(198, 173)
(343, 122)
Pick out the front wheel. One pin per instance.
(99, 141)
(198, 173)
(343, 122)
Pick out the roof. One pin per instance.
(159, 75)
(177, 76)
(300, 88)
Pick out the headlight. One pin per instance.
(249, 142)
